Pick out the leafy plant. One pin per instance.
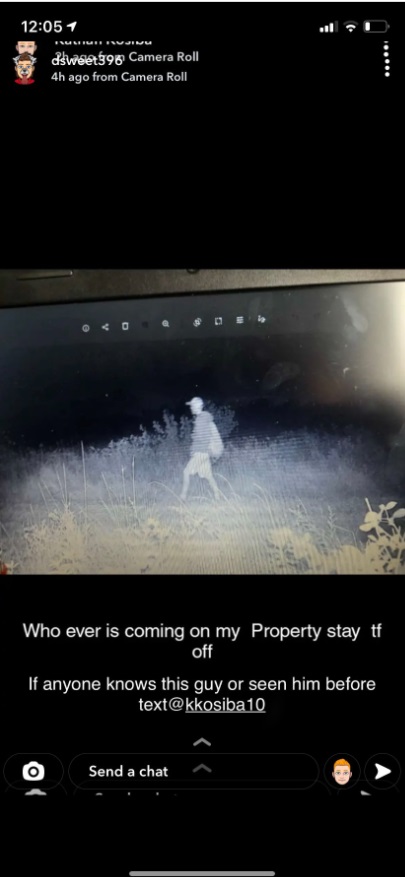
(388, 543)
(7, 569)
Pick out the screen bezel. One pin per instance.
(24, 287)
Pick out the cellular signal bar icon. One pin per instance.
(332, 27)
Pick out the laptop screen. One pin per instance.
(240, 432)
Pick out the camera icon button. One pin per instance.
(33, 771)
(24, 770)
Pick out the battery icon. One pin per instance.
(375, 26)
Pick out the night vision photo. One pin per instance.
(276, 446)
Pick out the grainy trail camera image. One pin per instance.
(279, 450)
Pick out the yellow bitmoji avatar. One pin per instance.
(341, 771)
(29, 46)
(24, 68)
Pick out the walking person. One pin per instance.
(206, 444)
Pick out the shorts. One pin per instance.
(199, 464)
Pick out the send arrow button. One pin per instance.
(381, 771)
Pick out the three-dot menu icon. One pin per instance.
(387, 62)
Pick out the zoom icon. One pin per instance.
(33, 771)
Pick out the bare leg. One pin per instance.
(186, 483)
(213, 484)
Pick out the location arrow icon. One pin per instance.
(202, 767)
(202, 740)
(381, 771)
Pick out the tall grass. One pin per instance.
(292, 504)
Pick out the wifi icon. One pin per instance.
(350, 25)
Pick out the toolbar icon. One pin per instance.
(240, 319)
(197, 322)
(261, 319)
(106, 327)
(124, 327)
(165, 323)
(218, 321)
(86, 328)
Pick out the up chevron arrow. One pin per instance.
(202, 767)
(202, 740)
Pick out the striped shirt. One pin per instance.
(201, 433)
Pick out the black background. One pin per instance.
(318, 723)
(279, 164)
(242, 830)
(282, 149)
